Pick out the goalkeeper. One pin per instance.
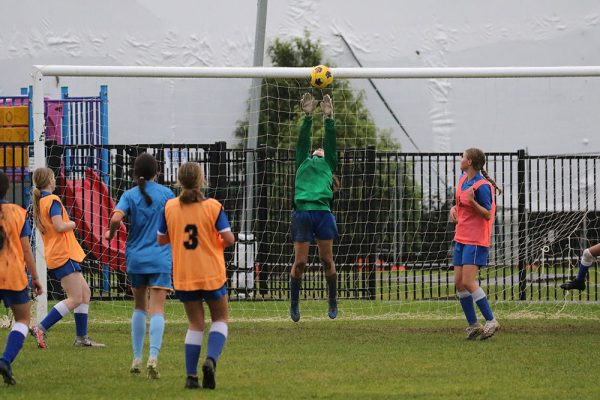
(312, 217)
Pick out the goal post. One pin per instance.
(361, 162)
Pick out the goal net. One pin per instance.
(394, 251)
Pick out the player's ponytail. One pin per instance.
(191, 179)
(490, 180)
(144, 169)
(42, 177)
(3, 190)
(477, 157)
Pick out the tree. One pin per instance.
(280, 115)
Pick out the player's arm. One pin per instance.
(115, 221)
(224, 228)
(57, 220)
(481, 200)
(120, 211)
(330, 145)
(308, 105)
(162, 235)
(454, 214)
(29, 259)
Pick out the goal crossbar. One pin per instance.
(304, 72)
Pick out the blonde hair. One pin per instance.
(477, 157)
(191, 179)
(42, 177)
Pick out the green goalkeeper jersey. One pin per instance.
(314, 175)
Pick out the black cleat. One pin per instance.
(295, 312)
(333, 310)
(208, 374)
(6, 373)
(574, 284)
(191, 382)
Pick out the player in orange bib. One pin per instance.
(15, 252)
(63, 255)
(198, 230)
(474, 216)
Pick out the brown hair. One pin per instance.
(3, 190)
(42, 177)
(477, 158)
(191, 179)
(144, 169)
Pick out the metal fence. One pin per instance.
(392, 214)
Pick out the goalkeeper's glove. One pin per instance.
(327, 106)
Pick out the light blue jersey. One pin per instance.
(143, 254)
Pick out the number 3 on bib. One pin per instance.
(192, 242)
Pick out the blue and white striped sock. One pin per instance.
(193, 344)
(483, 304)
(466, 302)
(57, 313)
(14, 342)
(216, 340)
(80, 313)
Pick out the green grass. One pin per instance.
(363, 355)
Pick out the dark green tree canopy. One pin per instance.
(280, 114)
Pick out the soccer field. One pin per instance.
(368, 358)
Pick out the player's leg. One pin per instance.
(464, 296)
(325, 228)
(470, 282)
(300, 260)
(217, 337)
(193, 339)
(326, 258)
(138, 320)
(80, 313)
(587, 258)
(19, 304)
(302, 235)
(71, 284)
(158, 298)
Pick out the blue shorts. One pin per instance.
(157, 280)
(309, 224)
(67, 269)
(195, 295)
(469, 254)
(14, 297)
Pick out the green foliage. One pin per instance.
(281, 116)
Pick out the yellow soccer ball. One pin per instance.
(321, 77)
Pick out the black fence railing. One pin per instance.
(392, 214)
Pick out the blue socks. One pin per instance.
(14, 343)
(81, 319)
(295, 285)
(216, 340)
(193, 344)
(138, 332)
(157, 328)
(483, 304)
(583, 270)
(332, 288)
(466, 302)
(56, 314)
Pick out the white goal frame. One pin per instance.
(42, 71)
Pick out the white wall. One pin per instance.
(543, 115)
